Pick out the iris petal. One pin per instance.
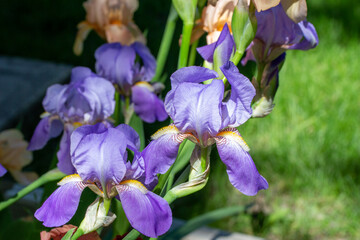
(61, 206)
(147, 212)
(241, 169)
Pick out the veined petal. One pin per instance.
(115, 63)
(197, 108)
(161, 153)
(46, 129)
(147, 212)
(192, 74)
(2, 170)
(61, 206)
(131, 135)
(242, 92)
(146, 104)
(99, 153)
(240, 167)
(52, 98)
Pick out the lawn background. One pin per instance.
(308, 148)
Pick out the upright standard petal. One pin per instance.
(242, 92)
(161, 153)
(197, 109)
(147, 71)
(241, 169)
(221, 51)
(52, 98)
(46, 129)
(192, 74)
(99, 153)
(146, 104)
(147, 212)
(61, 206)
(131, 135)
(115, 63)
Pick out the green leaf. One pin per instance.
(137, 124)
(202, 220)
(69, 234)
(121, 224)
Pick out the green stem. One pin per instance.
(127, 113)
(133, 234)
(79, 232)
(237, 57)
(52, 175)
(192, 56)
(185, 44)
(204, 156)
(166, 42)
(117, 112)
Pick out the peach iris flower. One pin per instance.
(217, 13)
(14, 156)
(112, 20)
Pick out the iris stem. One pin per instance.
(166, 42)
(185, 44)
(192, 56)
(79, 232)
(128, 113)
(117, 111)
(51, 175)
(132, 235)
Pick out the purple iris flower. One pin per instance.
(100, 157)
(118, 64)
(276, 33)
(88, 99)
(205, 115)
(2, 170)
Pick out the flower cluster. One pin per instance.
(207, 105)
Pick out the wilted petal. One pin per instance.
(65, 165)
(240, 167)
(61, 206)
(197, 108)
(2, 170)
(146, 104)
(98, 153)
(242, 92)
(161, 153)
(147, 212)
(295, 9)
(46, 129)
(262, 5)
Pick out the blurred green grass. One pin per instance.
(308, 148)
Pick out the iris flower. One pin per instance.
(118, 64)
(99, 155)
(204, 114)
(14, 156)
(88, 99)
(112, 20)
(276, 33)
